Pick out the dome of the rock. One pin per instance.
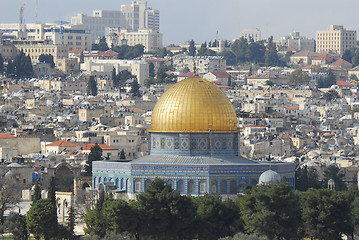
(194, 105)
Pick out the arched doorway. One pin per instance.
(64, 178)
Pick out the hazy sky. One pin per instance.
(182, 20)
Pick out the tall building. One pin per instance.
(193, 147)
(149, 38)
(295, 42)
(131, 17)
(74, 36)
(335, 40)
(254, 34)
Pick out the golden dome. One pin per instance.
(194, 105)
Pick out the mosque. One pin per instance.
(193, 146)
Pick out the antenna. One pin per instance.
(22, 27)
(37, 11)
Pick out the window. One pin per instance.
(137, 185)
(191, 186)
(202, 186)
(179, 186)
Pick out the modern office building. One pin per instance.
(149, 38)
(132, 17)
(335, 40)
(251, 34)
(74, 36)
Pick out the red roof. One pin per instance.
(344, 84)
(189, 74)
(220, 74)
(62, 143)
(309, 67)
(325, 57)
(102, 146)
(341, 63)
(6, 135)
(78, 50)
(112, 53)
(291, 107)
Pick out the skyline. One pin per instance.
(186, 20)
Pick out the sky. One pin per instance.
(182, 20)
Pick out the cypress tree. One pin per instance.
(92, 86)
(37, 192)
(51, 191)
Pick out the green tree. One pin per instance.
(255, 52)
(120, 217)
(92, 86)
(298, 77)
(94, 155)
(192, 48)
(161, 53)
(94, 218)
(10, 68)
(51, 191)
(41, 220)
(166, 214)
(355, 212)
(161, 74)
(347, 56)
(114, 78)
(272, 211)
(326, 214)
(71, 220)
(123, 76)
(331, 95)
(306, 178)
(37, 192)
(47, 58)
(16, 224)
(271, 59)
(122, 154)
(21, 66)
(101, 46)
(217, 218)
(333, 172)
(242, 236)
(230, 57)
(135, 88)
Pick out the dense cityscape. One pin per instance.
(107, 133)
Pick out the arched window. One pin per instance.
(122, 183)
(99, 180)
(214, 186)
(94, 182)
(202, 187)
(117, 183)
(232, 187)
(179, 186)
(191, 186)
(137, 185)
(105, 179)
(224, 186)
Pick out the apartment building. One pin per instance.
(203, 64)
(335, 40)
(149, 38)
(74, 36)
(295, 42)
(251, 34)
(131, 17)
